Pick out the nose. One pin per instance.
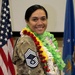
(39, 22)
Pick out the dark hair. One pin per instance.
(33, 8)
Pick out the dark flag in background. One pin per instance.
(68, 40)
(6, 41)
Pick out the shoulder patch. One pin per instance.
(31, 58)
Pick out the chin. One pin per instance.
(40, 32)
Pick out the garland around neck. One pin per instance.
(40, 49)
(42, 53)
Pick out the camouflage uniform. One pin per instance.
(26, 58)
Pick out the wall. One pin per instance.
(55, 8)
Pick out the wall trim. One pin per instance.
(56, 34)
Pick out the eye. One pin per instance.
(34, 19)
(43, 18)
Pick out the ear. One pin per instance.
(27, 22)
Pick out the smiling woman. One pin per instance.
(36, 51)
(37, 21)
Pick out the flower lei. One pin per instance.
(42, 54)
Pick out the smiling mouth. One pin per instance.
(39, 27)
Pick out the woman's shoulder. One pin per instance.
(23, 38)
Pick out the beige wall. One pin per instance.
(55, 8)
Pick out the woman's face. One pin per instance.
(38, 21)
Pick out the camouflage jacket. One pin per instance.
(25, 57)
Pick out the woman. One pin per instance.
(36, 51)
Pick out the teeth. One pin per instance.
(39, 27)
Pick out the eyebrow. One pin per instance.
(40, 17)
